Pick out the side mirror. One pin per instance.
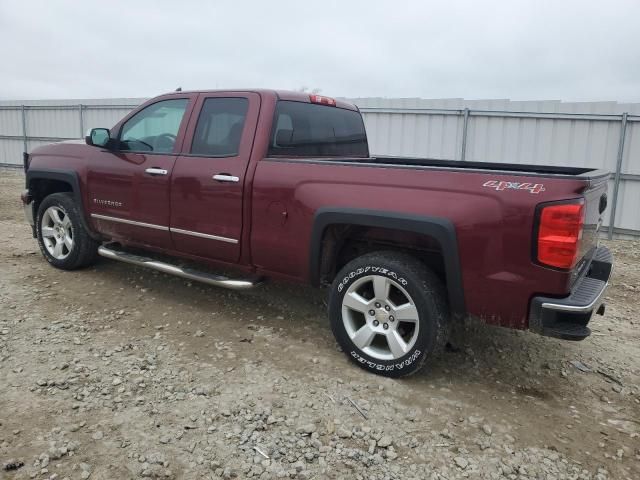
(98, 137)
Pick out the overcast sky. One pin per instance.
(522, 50)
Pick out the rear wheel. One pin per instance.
(389, 313)
(63, 240)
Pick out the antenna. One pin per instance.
(179, 89)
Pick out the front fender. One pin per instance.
(69, 177)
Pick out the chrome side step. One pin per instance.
(188, 273)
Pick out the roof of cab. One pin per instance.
(279, 94)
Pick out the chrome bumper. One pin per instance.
(28, 213)
(27, 203)
(568, 317)
(593, 303)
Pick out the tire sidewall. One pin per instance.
(414, 285)
(65, 203)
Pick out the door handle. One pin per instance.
(224, 177)
(156, 171)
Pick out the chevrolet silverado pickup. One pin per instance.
(275, 184)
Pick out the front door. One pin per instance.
(128, 188)
(208, 178)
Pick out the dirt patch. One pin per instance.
(118, 372)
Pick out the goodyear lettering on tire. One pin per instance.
(378, 270)
(380, 367)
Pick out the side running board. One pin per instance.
(188, 273)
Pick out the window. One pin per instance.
(220, 127)
(312, 130)
(155, 128)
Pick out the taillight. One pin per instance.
(559, 234)
(322, 100)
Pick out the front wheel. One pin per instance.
(389, 313)
(63, 240)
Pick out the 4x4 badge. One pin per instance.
(500, 185)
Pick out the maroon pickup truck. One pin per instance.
(280, 184)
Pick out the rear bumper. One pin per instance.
(567, 318)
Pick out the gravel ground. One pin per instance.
(116, 372)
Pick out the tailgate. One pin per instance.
(595, 205)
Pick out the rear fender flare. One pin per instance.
(441, 229)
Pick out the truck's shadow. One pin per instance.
(490, 356)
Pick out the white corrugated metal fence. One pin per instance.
(591, 134)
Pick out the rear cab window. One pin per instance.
(313, 130)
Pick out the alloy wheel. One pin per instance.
(57, 232)
(380, 317)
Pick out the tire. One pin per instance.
(364, 297)
(61, 234)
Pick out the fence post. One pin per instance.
(81, 118)
(465, 127)
(616, 181)
(24, 127)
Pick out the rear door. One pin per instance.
(128, 188)
(208, 177)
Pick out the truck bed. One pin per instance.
(520, 169)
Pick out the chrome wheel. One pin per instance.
(380, 317)
(57, 232)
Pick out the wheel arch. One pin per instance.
(44, 182)
(441, 230)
